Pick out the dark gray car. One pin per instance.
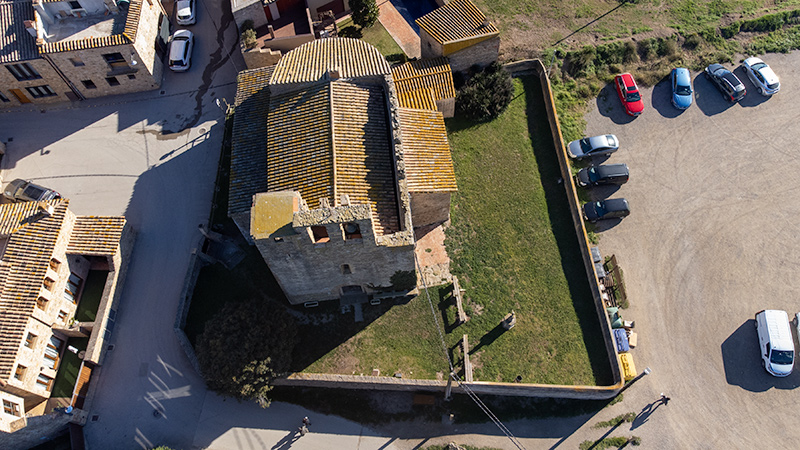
(604, 174)
(26, 191)
(731, 87)
(613, 208)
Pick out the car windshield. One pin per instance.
(33, 191)
(598, 207)
(683, 90)
(633, 97)
(781, 357)
(758, 66)
(773, 85)
(585, 145)
(593, 176)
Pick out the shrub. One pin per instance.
(487, 94)
(249, 38)
(580, 62)
(667, 47)
(692, 41)
(248, 25)
(648, 48)
(365, 12)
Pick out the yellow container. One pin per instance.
(628, 368)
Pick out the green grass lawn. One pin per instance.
(375, 35)
(68, 369)
(513, 246)
(91, 296)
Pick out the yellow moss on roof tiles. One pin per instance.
(128, 35)
(459, 19)
(429, 165)
(96, 235)
(310, 62)
(419, 84)
(299, 147)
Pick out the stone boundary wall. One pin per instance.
(195, 264)
(535, 67)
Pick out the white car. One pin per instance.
(593, 146)
(180, 50)
(762, 76)
(186, 12)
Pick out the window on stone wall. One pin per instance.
(62, 315)
(20, 372)
(75, 5)
(352, 231)
(89, 84)
(131, 77)
(44, 381)
(11, 408)
(30, 340)
(346, 270)
(77, 62)
(48, 283)
(3, 98)
(41, 91)
(55, 264)
(51, 352)
(320, 234)
(23, 71)
(41, 303)
(112, 81)
(115, 60)
(73, 287)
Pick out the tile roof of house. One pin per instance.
(22, 269)
(420, 83)
(310, 62)
(16, 44)
(459, 19)
(128, 35)
(96, 235)
(299, 146)
(249, 139)
(426, 152)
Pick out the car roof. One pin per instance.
(682, 75)
(609, 170)
(599, 141)
(768, 74)
(732, 79)
(616, 204)
(627, 78)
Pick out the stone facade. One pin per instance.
(62, 268)
(15, 92)
(481, 54)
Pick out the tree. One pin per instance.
(244, 347)
(487, 94)
(365, 12)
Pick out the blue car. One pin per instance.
(681, 88)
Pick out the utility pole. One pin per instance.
(637, 378)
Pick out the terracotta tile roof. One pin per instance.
(426, 152)
(420, 83)
(128, 35)
(96, 235)
(16, 44)
(310, 62)
(457, 20)
(364, 160)
(299, 147)
(249, 139)
(22, 270)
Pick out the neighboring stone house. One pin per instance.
(461, 32)
(331, 170)
(70, 50)
(59, 279)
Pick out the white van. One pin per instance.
(775, 342)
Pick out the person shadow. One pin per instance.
(644, 414)
(287, 441)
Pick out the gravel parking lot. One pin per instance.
(712, 239)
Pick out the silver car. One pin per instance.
(762, 76)
(180, 50)
(26, 191)
(591, 146)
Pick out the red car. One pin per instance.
(629, 94)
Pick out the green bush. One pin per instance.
(647, 48)
(365, 12)
(249, 38)
(781, 41)
(248, 25)
(487, 94)
(667, 47)
(692, 41)
(580, 62)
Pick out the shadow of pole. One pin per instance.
(621, 4)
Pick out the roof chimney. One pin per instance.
(333, 74)
(46, 209)
(30, 25)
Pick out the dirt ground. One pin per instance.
(711, 240)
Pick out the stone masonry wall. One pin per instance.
(49, 78)
(429, 207)
(482, 54)
(428, 46)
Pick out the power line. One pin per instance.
(472, 395)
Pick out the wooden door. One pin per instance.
(20, 96)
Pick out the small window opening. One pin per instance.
(48, 283)
(346, 270)
(320, 234)
(352, 231)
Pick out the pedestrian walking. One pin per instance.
(304, 426)
(664, 399)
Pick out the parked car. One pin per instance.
(681, 83)
(775, 342)
(26, 191)
(186, 12)
(628, 94)
(603, 174)
(730, 86)
(180, 50)
(762, 76)
(613, 208)
(591, 146)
